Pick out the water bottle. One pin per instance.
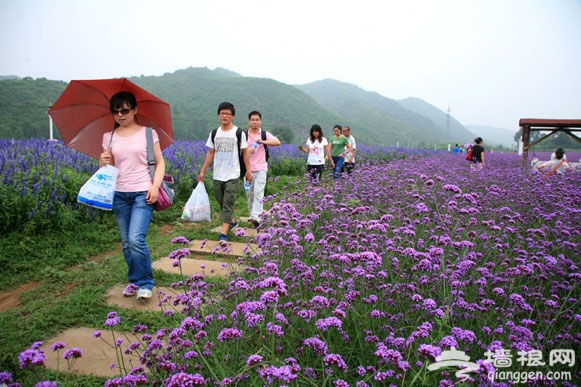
(255, 145)
(246, 185)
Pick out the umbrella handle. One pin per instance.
(111, 139)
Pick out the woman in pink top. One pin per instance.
(126, 148)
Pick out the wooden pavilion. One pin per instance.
(535, 124)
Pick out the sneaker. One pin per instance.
(130, 290)
(234, 224)
(143, 293)
(223, 237)
(255, 222)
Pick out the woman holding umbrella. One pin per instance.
(126, 148)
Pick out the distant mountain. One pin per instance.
(494, 136)
(194, 94)
(451, 130)
(373, 116)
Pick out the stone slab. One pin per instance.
(231, 250)
(114, 297)
(98, 353)
(191, 266)
(247, 232)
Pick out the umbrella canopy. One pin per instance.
(467, 145)
(82, 115)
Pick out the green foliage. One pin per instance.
(283, 133)
(195, 93)
(24, 104)
(287, 167)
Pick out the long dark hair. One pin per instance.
(316, 128)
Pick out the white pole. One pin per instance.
(397, 146)
(50, 127)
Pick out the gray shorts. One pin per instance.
(225, 193)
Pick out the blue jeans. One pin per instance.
(338, 161)
(133, 215)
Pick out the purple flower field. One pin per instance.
(41, 178)
(367, 282)
(371, 281)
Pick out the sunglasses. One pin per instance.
(123, 111)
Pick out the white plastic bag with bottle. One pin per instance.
(197, 208)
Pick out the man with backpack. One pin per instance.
(258, 142)
(227, 146)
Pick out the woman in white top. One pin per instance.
(318, 149)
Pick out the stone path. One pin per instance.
(99, 353)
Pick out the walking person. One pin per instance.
(349, 163)
(224, 146)
(339, 144)
(125, 147)
(318, 150)
(477, 155)
(258, 140)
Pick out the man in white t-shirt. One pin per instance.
(223, 152)
(349, 163)
(558, 165)
(257, 140)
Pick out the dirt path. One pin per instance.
(11, 298)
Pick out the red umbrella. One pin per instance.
(82, 115)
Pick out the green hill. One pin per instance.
(194, 94)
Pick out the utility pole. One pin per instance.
(50, 125)
(448, 123)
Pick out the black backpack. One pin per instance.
(263, 137)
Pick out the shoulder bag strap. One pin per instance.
(556, 168)
(150, 156)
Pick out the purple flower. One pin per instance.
(229, 334)
(179, 253)
(5, 377)
(58, 345)
(31, 357)
(74, 353)
(464, 335)
(429, 350)
(182, 379)
(253, 359)
(317, 345)
(325, 323)
(112, 319)
(336, 360)
(180, 239)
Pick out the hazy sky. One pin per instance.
(491, 62)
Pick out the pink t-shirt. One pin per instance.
(258, 159)
(130, 155)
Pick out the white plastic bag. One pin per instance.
(98, 192)
(197, 207)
